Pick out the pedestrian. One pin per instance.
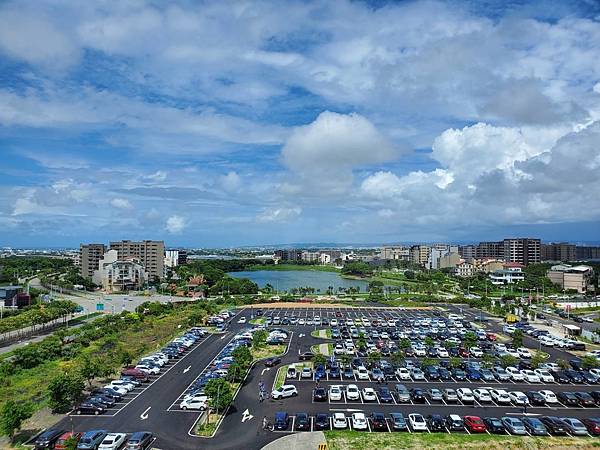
(265, 423)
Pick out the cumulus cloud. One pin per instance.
(121, 203)
(281, 214)
(336, 141)
(175, 224)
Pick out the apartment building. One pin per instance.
(584, 253)
(468, 252)
(119, 275)
(559, 251)
(150, 254)
(492, 249)
(419, 254)
(522, 250)
(174, 258)
(89, 258)
(289, 255)
(396, 253)
(510, 273)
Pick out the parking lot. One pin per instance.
(156, 405)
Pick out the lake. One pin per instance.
(284, 280)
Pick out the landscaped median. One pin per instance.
(281, 376)
(357, 440)
(322, 334)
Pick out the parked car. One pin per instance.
(593, 425)
(287, 390)
(435, 422)
(574, 426)
(87, 407)
(112, 441)
(554, 425)
(567, 399)
(514, 425)
(281, 421)
(90, 440)
(417, 422)
(321, 421)
(359, 421)
(378, 422)
(474, 424)
(302, 421)
(398, 421)
(494, 425)
(64, 439)
(339, 421)
(535, 426)
(455, 423)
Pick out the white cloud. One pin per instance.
(281, 214)
(121, 203)
(336, 141)
(175, 224)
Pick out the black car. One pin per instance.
(320, 394)
(585, 399)
(535, 398)
(588, 377)
(534, 426)
(596, 396)
(282, 421)
(385, 396)
(432, 373)
(459, 375)
(322, 421)
(356, 363)
(567, 398)
(398, 422)
(574, 376)
(455, 423)
(348, 373)
(378, 422)
(561, 377)
(388, 373)
(525, 365)
(89, 407)
(139, 440)
(494, 425)
(554, 425)
(435, 422)
(102, 400)
(272, 362)
(444, 374)
(302, 422)
(47, 439)
(306, 356)
(334, 372)
(417, 395)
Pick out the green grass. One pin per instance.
(280, 377)
(258, 321)
(356, 440)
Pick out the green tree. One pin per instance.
(90, 368)
(242, 356)
(345, 359)
(455, 362)
(487, 361)
(428, 362)
(469, 340)
(397, 359)
(12, 415)
(71, 443)
(319, 359)
(374, 357)
(64, 390)
(259, 338)
(537, 359)
(429, 341)
(235, 372)
(404, 343)
(517, 338)
(562, 363)
(219, 394)
(589, 362)
(508, 360)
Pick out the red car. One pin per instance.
(491, 336)
(136, 373)
(463, 352)
(474, 424)
(61, 442)
(593, 425)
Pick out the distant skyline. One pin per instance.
(238, 123)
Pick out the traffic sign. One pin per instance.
(99, 306)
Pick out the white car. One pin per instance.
(369, 394)
(403, 373)
(199, 403)
(482, 395)
(339, 421)
(242, 320)
(552, 367)
(442, 352)
(120, 389)
(359, 421)
(301, 322)
(124, 384)
(512, 352)
(549, 396)
(334, 322)
(524, 353)
(515, 374)
(112, 441)
(544, 375)
(362, 373)
(148, 369)
(476, 352)
(420, 351)
(352, 392)
(518, 398)
(306, 372)
(417, 374)
(465, 395)
(339, 349)
(530, 376)
(417, 422)
(287, 390)
(500, 396)
(335, 392)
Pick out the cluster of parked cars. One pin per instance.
(220, 321)
(102, 398)
(93, 440)
(546, 338)
(397, 421)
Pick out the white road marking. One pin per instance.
(266, 369)
(144, 415)
(246, 416)
(187, 369)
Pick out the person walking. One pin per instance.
(265, 423)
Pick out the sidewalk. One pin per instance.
(298, 441)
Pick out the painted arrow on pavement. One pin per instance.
(187, 369)
(246, 416)
(266, 369)
(144, 415)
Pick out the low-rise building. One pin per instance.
(13, 297)
(464, 270)
(510, 273)
(576, 278)
(115, 275)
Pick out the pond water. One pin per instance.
(284, 280)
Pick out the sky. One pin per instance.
(211, 123)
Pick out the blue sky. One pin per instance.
(244, 123)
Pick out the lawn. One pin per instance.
(282, 371)
(268, 351)
(356, 440)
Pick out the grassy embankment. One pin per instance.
(356, 440)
